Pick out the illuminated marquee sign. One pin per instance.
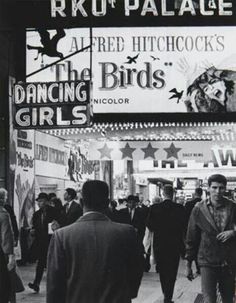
(147, 70)
(52, 104)
(101, 8)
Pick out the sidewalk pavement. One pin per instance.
(150, 290)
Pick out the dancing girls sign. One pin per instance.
(51, 104)
(148, 69)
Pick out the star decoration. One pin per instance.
(149, 151)
(127, 151)
(172, 151)
(105, 151)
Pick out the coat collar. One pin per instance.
(93, 216)
(208, 216)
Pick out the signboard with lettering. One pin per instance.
(24, 180)
(50, 156)
(149, 69)
(167, 154)
(51, 104)
(82, 13)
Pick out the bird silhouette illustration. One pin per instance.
(154, 58)
(132, 59)
(176, 94)
(49, 45)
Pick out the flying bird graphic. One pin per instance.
(132, 59)
(176, 94)
(49, 45)
(155, 58)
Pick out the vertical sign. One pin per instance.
(24, 177)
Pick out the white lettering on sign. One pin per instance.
(52, 104)
(144, 7)
(53, 93)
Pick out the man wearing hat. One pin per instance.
(41, 233)
(133, 215)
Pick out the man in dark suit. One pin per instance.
(40, 230)
(133, 215)
(190, 204)
(167, 221)
(72, 210)
(94, 259)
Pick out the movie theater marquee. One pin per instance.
(100, 8)
(148, 69)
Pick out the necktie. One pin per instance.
(67, 205)
(131, 212)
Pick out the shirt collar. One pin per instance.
(69, 203)
(209, 203)
(91, 212)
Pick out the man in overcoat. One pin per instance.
(94, 259)
(41, 232)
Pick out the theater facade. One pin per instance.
(136, 93)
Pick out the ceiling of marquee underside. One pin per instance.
(150, 131)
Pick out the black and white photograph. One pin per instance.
(118, 151)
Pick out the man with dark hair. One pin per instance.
(167, 221)
(72, 210)
(211, 237)
(132, 214)
(94, 259)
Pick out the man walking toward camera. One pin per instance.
(211, 237)
(94, 259)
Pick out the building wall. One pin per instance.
(12, 64)
(4, 71)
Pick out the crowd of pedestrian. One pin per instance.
(97, 250)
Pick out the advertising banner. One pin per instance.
(50, 156)
(148, 69)
(24, 177)
(167, 154)
(51, 104)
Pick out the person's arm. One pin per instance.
(56, 271)
(192, 241)
(228, 234)
(7, 243)
(135, 261)
(10, 211)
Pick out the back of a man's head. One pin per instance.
(198, 192)
(168, 191)
(95, 195)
